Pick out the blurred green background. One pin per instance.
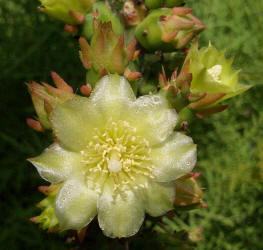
(230, 143)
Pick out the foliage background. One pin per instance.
(230, 143)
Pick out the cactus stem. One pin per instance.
(34, 124)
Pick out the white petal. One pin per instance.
(74, 121)
(152, 118)
(120, 216)
(112, 96)
(76, 205)
(174, 158)
(55, 164)
(159, 198)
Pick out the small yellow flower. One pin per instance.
(116, 157)
(213, 73)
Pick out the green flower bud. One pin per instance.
(212, 74)
(168, 29)
(116, 156)
(188, 192)
(102, 13)
(155, 4)
(133, 12)
(47, 219)
(107, 52)
(45, 98)
(68, 11)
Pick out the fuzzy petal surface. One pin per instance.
(152, 117)
(112, 97)
(120, 216)
(74, 121)
(75, 205)
(56, 164)
(159, 198)
(174, 157)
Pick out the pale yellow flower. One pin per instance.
(116, 156)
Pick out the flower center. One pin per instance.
(118, 156)
(215, 72)
(114, 164)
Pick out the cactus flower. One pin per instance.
(168, 29)
(115, 157)
(212, 74)
(68, 11)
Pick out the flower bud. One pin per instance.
(45, 97)
(68, 11)
(47, 219)
(168, 29)
(212, 74)
(107, 53)
(101, 12)
(133, 12)
(188, 193)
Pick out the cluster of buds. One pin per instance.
(168, 29)
(107, 53)
(45, 98)
(79, 15)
